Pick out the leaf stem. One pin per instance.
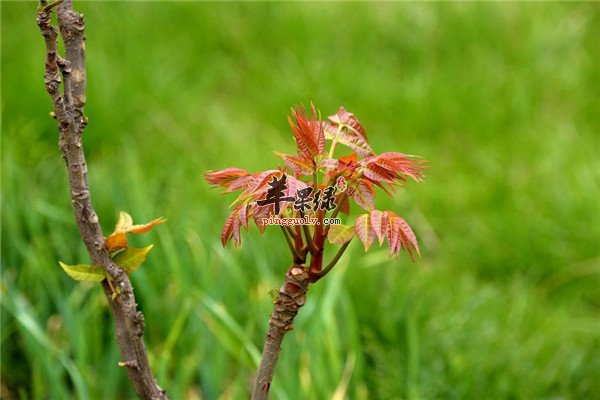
(288, 239)
(309, 240)
(333, 261)
(336, 211)
(45, 7)
(334, 142)
(293, 234)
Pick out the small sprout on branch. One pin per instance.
(128, 258)
(82, 272)
(117, 240)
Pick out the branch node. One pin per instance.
(64, 65)
(139, 322)
(128, 364)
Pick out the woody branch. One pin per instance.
(68, 110)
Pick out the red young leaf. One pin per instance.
(235, 231)
(378, 226)
(363, 194)
(116, 241)
(393, 234)
(345, 206)
(257, 192)
(225, 176)
(258, 213)
(143, 228)
(400, 235)
(329, 163)
(258, 187)
(388, 189)
(378, 174)
(308, 134)
(244, 215)
(245, 208)
(364, 230)
(228, 228)
(243, 182)
(350, 159)
(300, 164)
(293, 185)
(317, 128)
(401, 164)
(344, 128)
(343, 117)
(385, 216)
(356, 143)
(408, 237)
(233, 224)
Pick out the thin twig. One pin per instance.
(68, 110)
(334, 260)
(309, 240)
(336, 211)
(291, 232)
(295, 255)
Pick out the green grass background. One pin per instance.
(503, 99)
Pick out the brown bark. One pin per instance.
(68, 110)
(292, 296)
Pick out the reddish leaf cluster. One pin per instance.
(355, 176)
(254, 188)
(392, 169)
(386, 224)
(344, 128)
(308, 134)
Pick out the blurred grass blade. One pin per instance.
(17, 305)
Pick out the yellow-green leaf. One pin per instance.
(117, 240)
(82, 272)
(340, 234)
(131, 258)
(124, 222)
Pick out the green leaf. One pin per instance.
(131, 258)
(83, 272)
(340, 234)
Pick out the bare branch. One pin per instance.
(68, 109)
